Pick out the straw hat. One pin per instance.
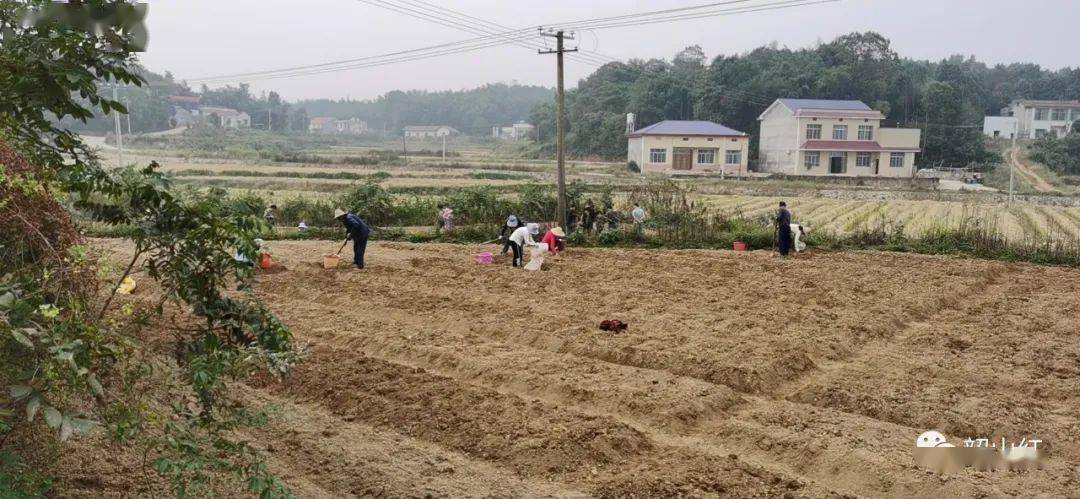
(534, 229)
(338, 213)
(558, 232)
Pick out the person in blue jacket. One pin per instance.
(358, 231)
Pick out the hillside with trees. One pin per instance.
(472, 111)
(946, 98)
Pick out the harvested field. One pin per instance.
(740, 375)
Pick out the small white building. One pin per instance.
(833, 137)
(517, 131)
(225, 117)
(429, 132)
(1038, 118)
(688, 147)
(353, 126)
(1000, 126)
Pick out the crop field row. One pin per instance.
(842, 216)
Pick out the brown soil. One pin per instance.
(740, 374)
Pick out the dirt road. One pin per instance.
(1027, 173)
(740, 374)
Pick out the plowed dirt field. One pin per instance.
(740, 374)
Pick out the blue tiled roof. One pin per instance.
(676, 127)
(835, 105)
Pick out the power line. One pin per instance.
(699, 15)
(494, 39)
(459, 21)
(500, 26)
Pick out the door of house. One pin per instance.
(836, 165)
(683, 158)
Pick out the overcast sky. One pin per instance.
(202, 38)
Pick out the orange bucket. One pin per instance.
(740, 246)
(265, 263)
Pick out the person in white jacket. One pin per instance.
(797, 233)
(520, 238)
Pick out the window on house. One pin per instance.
(896, 159)
(862, 159)
(1076, 114)
(813, 132)
(706, 156)
(1042, 114)
(1060, 115)
(733, 157)
(658, 155)
(811, 159)
(839, 132)
(866, 132)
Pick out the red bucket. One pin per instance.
(740, 246)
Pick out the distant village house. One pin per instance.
(187, 111)
(429, 132)
(833, 137)
(1033, 119)
(329, 124)
(688, 147)
(517, 131)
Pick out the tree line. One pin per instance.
(947, 98)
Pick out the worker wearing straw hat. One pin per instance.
(358, 231)
(554, 239)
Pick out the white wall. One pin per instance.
(777, 141)
(999, 126)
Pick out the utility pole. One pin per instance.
(404, 149)
(119, 139)
(444, 149)
(269, 120)
(560, 118)
(1012, 162)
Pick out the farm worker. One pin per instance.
(439, 221)
(446, 219)
(612, 218)
(571, 217)
(589, 217)
(797, 232)
(509, 226)
(302, 227)
(783, 229)
(269, 214)
(356, 230)
(639, 220)
(520, 238)
(553, 238)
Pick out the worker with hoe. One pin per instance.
(783, 229)
(521, 238)
(358, 231)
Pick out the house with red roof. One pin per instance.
(833, 137)
(674, 146)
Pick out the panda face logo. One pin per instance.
(932, 439)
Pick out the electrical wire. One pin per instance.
(464, 22)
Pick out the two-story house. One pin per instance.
(833, 137)
(1035, 119)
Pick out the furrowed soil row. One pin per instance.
(535, 439)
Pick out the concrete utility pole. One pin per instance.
(1012, 163)
(560, 119)
(119, 139)
(444, 149)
